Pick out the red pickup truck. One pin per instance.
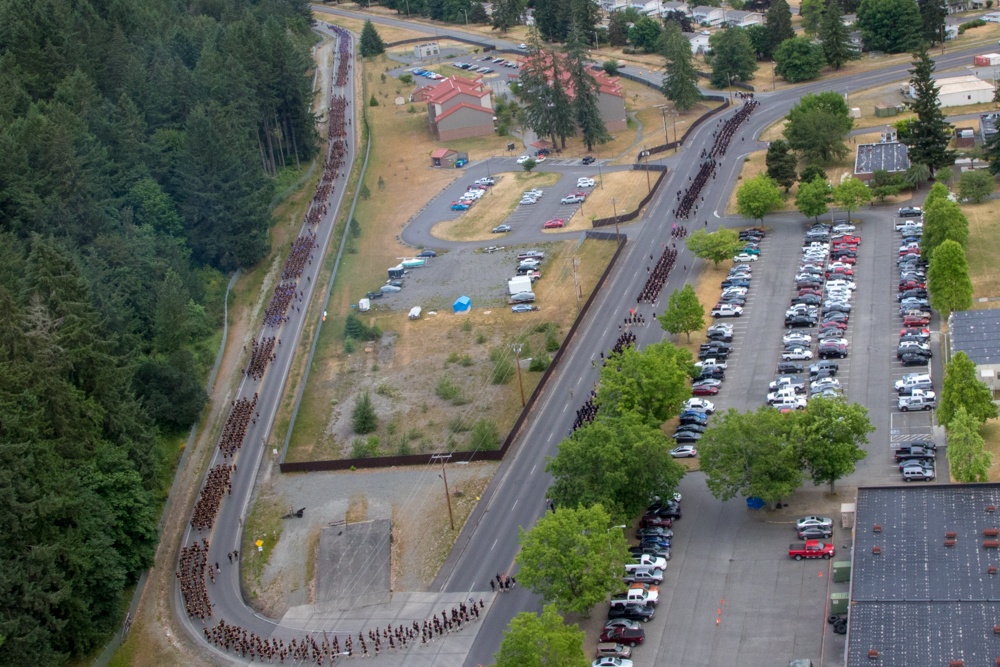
(811, 549)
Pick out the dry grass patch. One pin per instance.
(389, 33)
(652, 121)
(357, 509)
(984, 244)
(622, 192)
(494, 207)
(991, 443)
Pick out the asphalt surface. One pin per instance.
(721, 549)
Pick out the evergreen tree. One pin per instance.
(811, 173)
(948, 279)
(836, 37)
(371, 43)
(779, 24)
(930, 134)
(892, 26)
(968, 460)
(781, 164)
(363, 417)
(507, 14)
(732, 57)
(680, 79)
(933, 14)
(584, 104)
(552, 19)
(586, 16)
(812, 15)
(618, 29)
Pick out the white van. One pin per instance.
(415, 313)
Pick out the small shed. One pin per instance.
(965, 137)
(443, 157)
(427, 50)
(463, 304)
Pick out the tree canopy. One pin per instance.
(962, 389)
(680, 79)
(812, 198)
(617, 461)
(715, 246)
(943, 221)
(929, 133)
(851, 195)
(799, 59)
(684, 312)
(650, 383)
(782, 165)
(892, 26)
(541, 640)
(976, 185)
(836, 37)
(757, 197)
(968, 459)
(573, 558)
(817, 125)
(829, 438)
(948, 279)
(732, 58)
(812, 14)
(779, 24)
(371, 43)
(140, 145)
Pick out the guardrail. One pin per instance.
(515, 431)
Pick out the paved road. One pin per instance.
(706, 536)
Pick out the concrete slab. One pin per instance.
(353, 565)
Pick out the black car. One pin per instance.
(831, 350)
(916, 293)
(588, 160)
(809, 299)
(836, 308)
(911, 359)
(815, 281)
(669, 509)
(911, 349)
(735, 282)
(815, 532)
(692, 420)
(910, 212)
(913, 452)
(800, 321)
(690, 426)
(787, 367)
(374, 295)
(686, 436)
(716, 345)
(926, 444)
(428, 253)
(712, 372)
(635, 612)
(659, 552)
(713, 354)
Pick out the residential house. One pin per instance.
(743, 19)
(667, 7)
(699, 41)
(459, 108)
(610, 96)
(849, 19)
(709, 16)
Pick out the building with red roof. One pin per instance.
(459, 108)
(610, 96)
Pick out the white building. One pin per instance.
(699, 42)
(742, 19)
(704, 15)
(957, 91)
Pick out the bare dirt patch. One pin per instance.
(621, 193)
(493, 208)
(357, 509)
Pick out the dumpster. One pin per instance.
(838, 603)
(841, 571)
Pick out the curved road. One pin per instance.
(515, 497)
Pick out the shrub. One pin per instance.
(387, 390)
(355, 328)
(373, 102)
(480, 338)
(452, 358)
(446, 389)
(459, 425)
(539, 364)
(467, 325)
(485, 435)
(503, 367)
(362, 448)
(406, 78)
(466, 361)
(363, 418)
(551, 342)
(348, 346)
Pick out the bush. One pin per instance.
(480, 338)
(978, 23)
(406, 78)
(373, 102)
(355, 328)
(348, 346)
(363, 418)
(466, 361)
(503, 366)
(446, 389)
(452, 358)
(363, 448)
(551, 342)
(539, 364)
(485, 435)
(387, 390)
(611, 67)
(459, 425)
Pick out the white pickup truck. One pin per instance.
(636, 596)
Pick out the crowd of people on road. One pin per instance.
(688, 200)
(586, 413)
(261, 354)
(678, 231)
(724, 135)
(236, 639)
(243, 413)
(657, 277)
(193, 567)
(218, 484)
(300, 255)
(504, 582)
(343, 56)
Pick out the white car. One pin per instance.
(744, 257)
(526, 201)
(791, 403)
(796, 354)
(721, 327)
(734, 291)
(585, 183)
(796, 337)
(523, 159)
(825, 383)
(841, 283)
(684, 451)
(699, 405)
(486, 180)
(814, 522)
(610, 661)
(647, 560)
(522, 46)
(727, 310)
(534, 192)
(711, 363)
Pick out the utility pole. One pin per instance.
(444, 475)
(615, 209)
(576, 282)
(649, 187)
(517, 354)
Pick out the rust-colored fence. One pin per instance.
(479, 455)
(632, 215)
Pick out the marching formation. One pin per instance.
(657, 278)
(235, 429)
(261, 354)
(217, 485)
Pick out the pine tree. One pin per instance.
(781, 164)
(584, 103)
(779, 23)
(812, 15)
(836, 37)
(507, 14)
(561, 109)
(680, 79)
(363, 417)
(733, 57)
(586, 16)
(933, 14)
(967, 458)
(371, 42)
(930, 133)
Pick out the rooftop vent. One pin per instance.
(949, 542)
(991, 508)
(991, 532)
(956, 663)
(877, 528)
(991, 544)
(992, 569)
(878, 550)
(951, 534)
(873, 655)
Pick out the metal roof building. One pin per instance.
(922, 592)
(977, 333)
(891, 156)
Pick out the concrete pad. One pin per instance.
(353, 565)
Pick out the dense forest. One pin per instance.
(139, 140)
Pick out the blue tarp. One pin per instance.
(462, 304)
(755, 503)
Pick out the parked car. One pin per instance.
(523, 308)
(815, 532)
(744, 257)
(910, 212)
(501, 229)
(571, 199)
(808, 521)
(700, 405)
(588, 159)
(683, 452)
(554, 223)
(727, 310)
(624, 635)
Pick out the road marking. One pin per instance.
(494, 543)
(535, 466)
(514, 505)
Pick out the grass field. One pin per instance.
(494, 207)
(984, 244)
(622, 192)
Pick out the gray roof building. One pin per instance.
(977, 333)
(921, 589)
(891, 156)
(987, 125)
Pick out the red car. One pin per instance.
(839, 271)
(912, 321)
(809, 290)
(702, 390)
(846, 259)
(910, 251)
(911, 284)
(853, 247)
(630, 636)
(846, 238)
(554, 223)
(653, 521)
